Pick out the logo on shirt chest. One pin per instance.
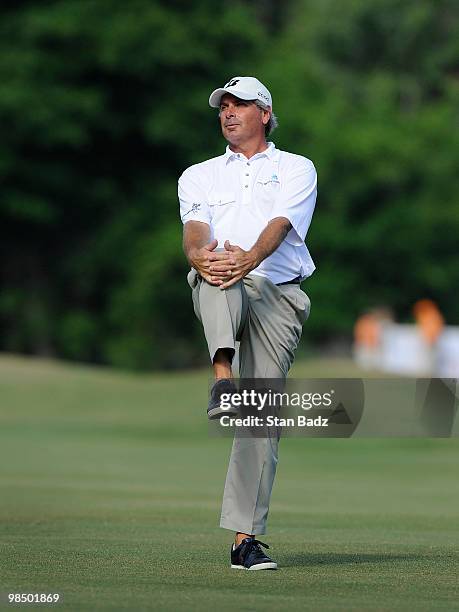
(274, 179)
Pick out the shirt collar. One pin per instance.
(269, 153)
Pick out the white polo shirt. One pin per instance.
(237, 197)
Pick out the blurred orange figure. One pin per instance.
(429, 319)
(367, 331)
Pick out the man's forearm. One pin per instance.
(270, 238)
(195, 236)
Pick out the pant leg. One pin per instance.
(267, 348)
(222, 313)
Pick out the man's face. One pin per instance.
(241, 120)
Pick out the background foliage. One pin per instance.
(103, 105)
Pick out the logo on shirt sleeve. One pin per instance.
(194, 209)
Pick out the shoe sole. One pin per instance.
(260, 566)
(217, 412)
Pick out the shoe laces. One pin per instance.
(254, 546)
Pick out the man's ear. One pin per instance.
(266, 116)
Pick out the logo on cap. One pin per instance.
(262, 95)
(232, 83)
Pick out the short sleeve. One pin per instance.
(192, 198)
(297, 200)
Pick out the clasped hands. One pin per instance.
(223, 268)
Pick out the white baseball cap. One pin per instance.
(245, 88)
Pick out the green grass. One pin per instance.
(110, 491)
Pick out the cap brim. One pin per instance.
(215, 96)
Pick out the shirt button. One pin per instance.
(248, 163)
(247, 174)
(245, 185)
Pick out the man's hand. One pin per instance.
(242, 262)
(230, 271)
(227, 267)
(204, 260)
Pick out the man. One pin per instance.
(254, 203)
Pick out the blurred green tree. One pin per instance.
(370, 93)
(102, 105)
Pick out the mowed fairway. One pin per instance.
(110, 495)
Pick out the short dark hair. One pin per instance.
(272, 123)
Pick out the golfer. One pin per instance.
(246, 214)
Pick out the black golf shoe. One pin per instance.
(250, 556)
(215, 409)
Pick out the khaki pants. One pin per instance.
(267, 321)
